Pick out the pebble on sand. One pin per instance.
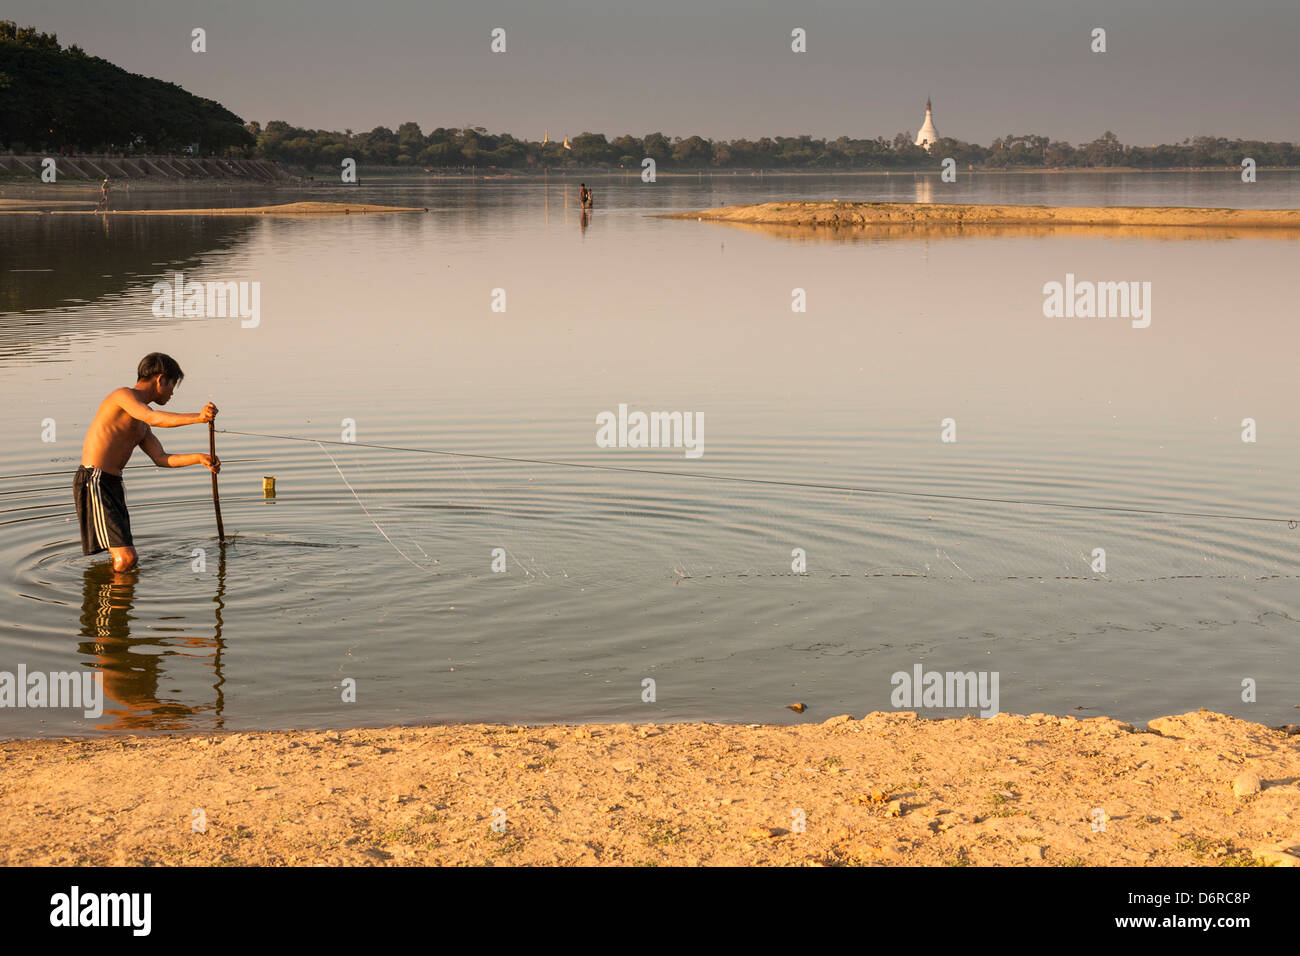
(1246, 784)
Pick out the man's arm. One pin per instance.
(154, 449)
(137, 409)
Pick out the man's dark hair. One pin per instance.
(156, 363)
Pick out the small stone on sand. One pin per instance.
(1246, 784)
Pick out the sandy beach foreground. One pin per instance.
(861, 214)
(1198, 789)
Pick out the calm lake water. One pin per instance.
(377, 564)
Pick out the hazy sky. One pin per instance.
(720, 68)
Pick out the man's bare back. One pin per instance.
(124, 421)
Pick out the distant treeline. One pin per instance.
(442, 148)
(54, 99)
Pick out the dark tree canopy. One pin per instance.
(53, 98)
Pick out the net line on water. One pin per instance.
(523, 566)
(141, 467)
(387, 538)
(785, 483)
(943, 550)
(367, 512)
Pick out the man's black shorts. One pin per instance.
(101, 510)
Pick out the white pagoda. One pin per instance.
(928, 135)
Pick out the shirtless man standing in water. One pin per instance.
(123, 422)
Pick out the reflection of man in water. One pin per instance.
(130, 677)
(134, 668)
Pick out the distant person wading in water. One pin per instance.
(584, 196)
(122, 422)
(103, 195)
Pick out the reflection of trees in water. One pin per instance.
(134, 667)
(81, 259)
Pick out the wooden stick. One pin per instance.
(216, 500)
